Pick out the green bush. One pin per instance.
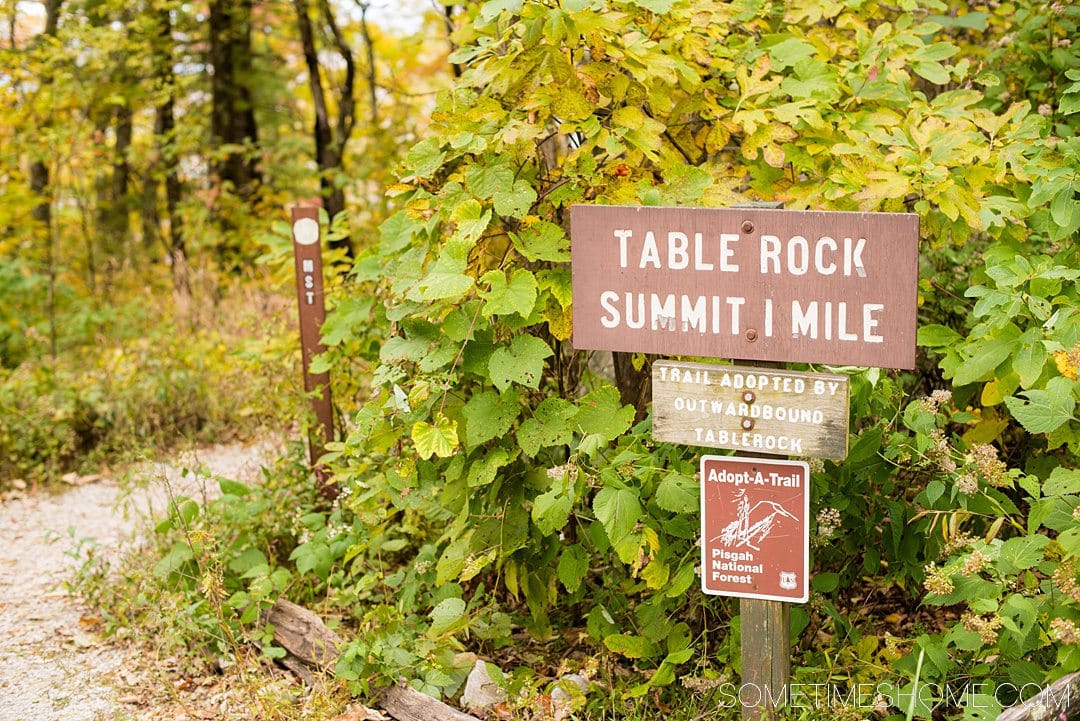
(89, 407)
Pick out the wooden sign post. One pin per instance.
(765, 285)
(307, 252)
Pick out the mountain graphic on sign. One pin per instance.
(753, 524)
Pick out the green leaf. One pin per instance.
(274, 652)
(425, 158)
(680, 584)
(489, 415)
(518, 295)
(550, 427)
(1044, 411)
(232, 488)
(686, 182)
(471, 219)
(447, 615)
(440, 439)
(988, 356)
(630, 646)
(542, 241)
(446, 285)
(655, 574)
(314, 556)
(515, 202)
(825, 582)
(396, 232)
(1018, 554)
(1029, 362)
(969, 21)
(603, 413)
(618, 510)
(485, 181)
(790, 51)
(493, 8)
(551, 510)
(573, 565)
(936, 51)
(933, 71)
(678, 493)
(178, 555)
(522, 362)
(483, 472)
(938, 336)
(1062, 482)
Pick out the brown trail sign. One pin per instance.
(307, 252)
(750, 283)
(757, 410)
(755, 540)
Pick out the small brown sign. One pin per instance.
(758, 410)
(755, 540)
(751, 283)
(307, 252)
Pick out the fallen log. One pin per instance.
(405, 703)
(1058, 701)
(299, 669)
(304, 635)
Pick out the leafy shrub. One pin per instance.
(75, 413)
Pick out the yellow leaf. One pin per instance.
(991, 394)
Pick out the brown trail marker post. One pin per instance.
(307, 253)
(766, 285)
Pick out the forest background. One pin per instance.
(498, 492)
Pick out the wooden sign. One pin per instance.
(751, 283)
(755, 534)
(307, 252)
(758, 410)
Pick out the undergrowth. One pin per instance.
(123, 391)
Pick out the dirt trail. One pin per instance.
(52, 666)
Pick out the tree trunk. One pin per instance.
(635, 386)
(119, 224)
(39, 171)
(150, 220)
(329, 140)
(164, 130)
(232, 120)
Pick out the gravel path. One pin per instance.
(53, 667)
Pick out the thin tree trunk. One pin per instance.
(448, 11)
(148, 208)
(635, 386)
(50, 259)
(120, 221)
(371, 75)
(165, 130)
(329, 140)
(39, 171)
(232, 120)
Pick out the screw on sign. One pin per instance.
(307, 252)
